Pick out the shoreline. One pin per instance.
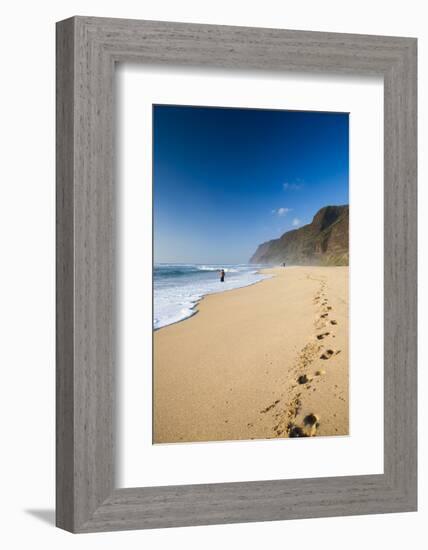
(197, 302)
(264, 361)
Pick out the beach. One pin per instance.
(264, 361)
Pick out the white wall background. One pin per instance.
(27, 271)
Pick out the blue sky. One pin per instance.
(226, 180)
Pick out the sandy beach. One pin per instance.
(264, 361)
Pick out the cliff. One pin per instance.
(325, 241)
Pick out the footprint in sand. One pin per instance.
(295, 431)
(303, 379)
(333, 322)
(311, 421)
(311, 424)
(322, 336)
(271, 406)
(324, 315)
(327, 354)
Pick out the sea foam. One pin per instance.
(177, 288)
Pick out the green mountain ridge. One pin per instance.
(325, 241)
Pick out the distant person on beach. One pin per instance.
(222, 274)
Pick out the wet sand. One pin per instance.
(264, 361)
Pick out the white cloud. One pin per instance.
(295, 222)
(281, 211)
(291, 186)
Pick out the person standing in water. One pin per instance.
(222, 274)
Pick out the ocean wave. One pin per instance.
(178, 288)
(216, 268)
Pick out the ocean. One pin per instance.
(179, 287)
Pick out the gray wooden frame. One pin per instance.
(87, 50)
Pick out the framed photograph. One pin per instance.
(236, 274)
(269, 360)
